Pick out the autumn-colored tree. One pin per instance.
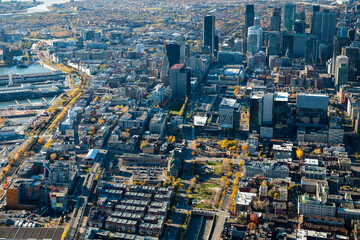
(40, 141)
(244, 148)
(53, 157)
(317, 151)
(299, 153)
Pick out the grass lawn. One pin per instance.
(203, 205)
(176, 107)
(213, 163)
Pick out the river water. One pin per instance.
(42, 7)
(33, 68)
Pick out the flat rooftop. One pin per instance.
(30, 233)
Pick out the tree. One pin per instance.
(317, 151)
(125, 135)
(40, 141)
(252, 226)
(53, 157)
(244, 148)
(299, 153)
(271, 193)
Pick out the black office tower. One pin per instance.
(311, 51)
(209, 32)
(299, 26)
(275, 24)
(172, 52)
(316, 8)
(353, 55)
(249, 17)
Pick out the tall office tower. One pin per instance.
(2, 35)
(312, 50)
(311, 110)
(256, 112)
(239, 45)
(249, 18)
(273, 40)
(299, 26)
(172, 52)
(257, 21)
(289, 16)
(341, 70)
(180, 81)
(281, 115)
(342, 29)
(275, 24)
(351, 34)
(325, 26)
(354, 63)
(269, 114)
(299, 45)
(209, 32)
(301, 16)
(316, 9)
(339, 43)
(164, 68)
(254, 40)
(287, 44)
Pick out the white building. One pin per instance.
(226, 112)
(267, 168)
(254, 41)
(157, 124)
(314, 207)
(341, 70)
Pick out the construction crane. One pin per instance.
(46, 168)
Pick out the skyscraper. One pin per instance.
(339, 43)
(353, 55)
(341, 70)
(249, 18)
(254, 40)
(325, 26)
(275, 24)
(316, 8)
(273, 40)
(312, 50)
(299, 26)
(209, 32)
(180, 81)
(172, 52)
(342, 29)
(289, 16)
